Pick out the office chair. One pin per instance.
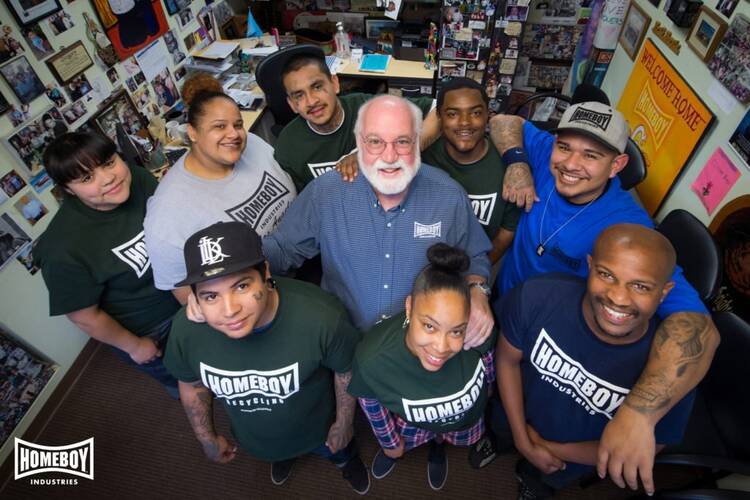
(635, 171)
(697, 252)
(717, 437)
(268, 76)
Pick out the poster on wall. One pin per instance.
(730, 230)
(715, 180)
(667, 120)
(740, 140)
(135, 24)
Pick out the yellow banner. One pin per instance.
(667, 121)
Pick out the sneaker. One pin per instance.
(531, 486)
(382, 465)
(280, 471)
(356, 475)
(482, 453)
(437, 466)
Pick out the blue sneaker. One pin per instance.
(382, 465)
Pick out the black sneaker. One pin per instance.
(280, 471)
(382, 465)
(482, 453)
(437, 466)
(356, 475)
(531, 486)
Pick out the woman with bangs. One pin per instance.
(93, 256)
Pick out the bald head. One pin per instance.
(654, 247)
(388, 105)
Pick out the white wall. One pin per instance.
(696, 73)
(24, 306)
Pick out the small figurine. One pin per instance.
(431, 51)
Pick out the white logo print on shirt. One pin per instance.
(427, 230)
(483, 205)
(211, 252)
(133, 253)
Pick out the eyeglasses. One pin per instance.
(375, 145)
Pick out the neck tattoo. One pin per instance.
(333, 125)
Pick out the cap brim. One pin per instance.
(200, 278)
(274, 80)
(588, 134)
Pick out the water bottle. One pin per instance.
(343, 50)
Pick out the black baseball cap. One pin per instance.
(221, 249)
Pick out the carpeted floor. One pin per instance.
(144, 449)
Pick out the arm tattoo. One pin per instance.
(679, 346)
(199, 409)
(345, 403)
(518, 176)
(506, 131)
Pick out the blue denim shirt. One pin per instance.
(371, 257)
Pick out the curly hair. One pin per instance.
(200, 82)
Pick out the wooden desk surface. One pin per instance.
(396, 69)
(250, 117)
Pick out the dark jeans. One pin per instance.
(340, 458)
(156, 368)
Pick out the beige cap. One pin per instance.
(597, 121)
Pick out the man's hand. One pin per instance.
(396, 452)
(518, 186)
(480, 320)
(339, 436)
(193, 310)
(145, 351)
(348, 167)
(219, 450)
(627, 448)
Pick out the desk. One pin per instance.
(406, 78)
(250, 118)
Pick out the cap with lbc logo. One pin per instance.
(597, 121)
(221, 249)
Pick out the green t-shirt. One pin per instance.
(483, 181)
(277, 384)
(90, 257)
(450, 399)
(306, 154)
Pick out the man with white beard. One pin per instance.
(373, 233)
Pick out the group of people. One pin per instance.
(600, 338)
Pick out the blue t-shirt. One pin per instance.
(573, 382)
(566, 251)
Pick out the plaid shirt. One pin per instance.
(389, 428)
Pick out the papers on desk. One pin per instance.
(218, 50)
(208, 66)
(375, 63)
(261, 51)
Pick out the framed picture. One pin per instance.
(22, 79)
(28, 12)
(120, 109)
(706, 33)
(634, 29)
(70, 62)
(134, 29)
(28, 142)
(373, 27)
(727, 62)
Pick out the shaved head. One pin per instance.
(654, 246)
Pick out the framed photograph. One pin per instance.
(28, 143)
(373, 27)
(450, 69)
(70, 62)
(120, 109)
(22, 79)
(706, 33)
(27, 12)
(132, 30)
(634, 29)
(727, 62)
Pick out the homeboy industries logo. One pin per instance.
(76, 459)
(599, 120)
(255, 389)
(447, 409)
(483, 205)
(252, 210)
(134, 254)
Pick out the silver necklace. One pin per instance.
(540, 248)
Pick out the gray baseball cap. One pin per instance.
(597, 121)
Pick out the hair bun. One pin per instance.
(447, 258)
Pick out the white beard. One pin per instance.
(390, 186)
